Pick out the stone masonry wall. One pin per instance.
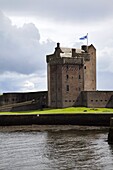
(90, 71)
(11, 98)
(72, 76)
(97, 99)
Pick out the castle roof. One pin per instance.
(67, 52)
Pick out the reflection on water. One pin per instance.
(55, 147)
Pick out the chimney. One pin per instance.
(73, 52)
(57, 50)
(85, 48)
(58, 45)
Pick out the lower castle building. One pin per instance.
(71, 77)
(23, 101)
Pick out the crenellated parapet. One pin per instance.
(68, 56)
(52, 60)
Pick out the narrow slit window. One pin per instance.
(79, 77)
(67, 88)
(67, 76)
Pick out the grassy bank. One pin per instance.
(70, 110)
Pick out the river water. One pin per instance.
(55, 148)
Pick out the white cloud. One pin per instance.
(20, 48)
(13, 82)
(22, 57)
(62, 21)
(60, 10)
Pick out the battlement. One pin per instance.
(68, 56)
(64, 60)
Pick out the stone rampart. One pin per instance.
(95, 99)
(57, 119)
(12, 98)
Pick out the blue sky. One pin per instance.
(30, 29)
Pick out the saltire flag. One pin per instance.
(84, 37)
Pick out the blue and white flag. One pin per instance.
(84, 37)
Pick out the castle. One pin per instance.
(70, 71)
(71, 77)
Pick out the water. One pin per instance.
(55, 148)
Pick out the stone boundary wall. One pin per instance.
(97, 99)
(40, 97)
(57, 119)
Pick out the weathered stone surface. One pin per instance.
(69, 73)
(29, 101)
(95, 99)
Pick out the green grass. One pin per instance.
(70, 110)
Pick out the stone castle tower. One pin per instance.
(70, 71)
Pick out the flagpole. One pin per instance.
(87, 39)
(87, 42)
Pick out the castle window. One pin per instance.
(69, 100)
(84, 67)
(67, 76)
(65, 100)
(79, 77)
(67, 88)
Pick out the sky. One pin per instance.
(30, 29)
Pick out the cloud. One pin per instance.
(105, 61)
(60, 10)
(105, 81)
(13, 82)
(20, 48)
(22, 56)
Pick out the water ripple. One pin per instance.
(55, 147)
